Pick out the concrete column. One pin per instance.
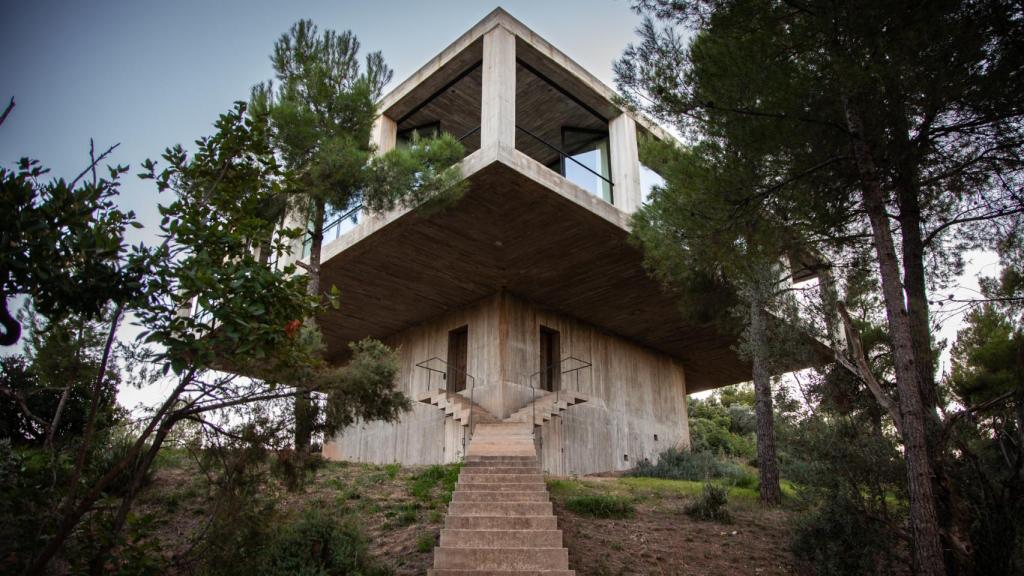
(384, 134)
(625, 160)
(498, 93)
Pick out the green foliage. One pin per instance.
(711, 504)
(837, 538)
(63, 244)
(601, 505)
(425, 542)
(364, 388)
(317, 543)
(435, 483)
(392, 470)
(697, 466)
(986, 358)
(57, 355)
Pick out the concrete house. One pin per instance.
(525, 302)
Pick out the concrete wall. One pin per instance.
(637, 406)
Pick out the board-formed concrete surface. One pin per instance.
(500, 521)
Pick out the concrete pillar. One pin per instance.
(498, 93)
(625, 160)
(384, 134)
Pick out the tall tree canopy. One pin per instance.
(322, 111)
(895, 123)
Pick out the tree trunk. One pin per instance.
(304, 413)
(767, 461)
(928, 555)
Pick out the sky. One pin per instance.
(147, 75)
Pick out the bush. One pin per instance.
(710, 505)
(600, 506)
(837, 538)
(696, 466)
(318, 543)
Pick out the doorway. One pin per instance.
(458, 352)
(550, 359)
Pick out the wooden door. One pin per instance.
(458, 358)
(550, 355)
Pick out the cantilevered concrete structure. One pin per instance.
(525, 299)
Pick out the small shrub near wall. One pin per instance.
(601, 506)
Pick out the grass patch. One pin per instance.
(392, 470)
(601, 505)
(435, 483)
(425, 542)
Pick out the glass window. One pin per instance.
(587, 163)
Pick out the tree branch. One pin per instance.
(863, 370)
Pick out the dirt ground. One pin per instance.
(662, 540)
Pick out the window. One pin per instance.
(588, 164)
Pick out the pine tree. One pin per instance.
(898, 121)
(322, 111)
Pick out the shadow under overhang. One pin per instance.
(510, 232)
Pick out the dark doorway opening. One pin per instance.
(550, 356)
(458, 352)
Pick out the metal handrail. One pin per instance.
(307, 240)
(472, 391)
(582, 364)
(565, 155)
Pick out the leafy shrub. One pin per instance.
(837, 538)
(600, 506)
(696, 466)
(318, 543)
(710, 505)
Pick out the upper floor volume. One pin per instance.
(512, 97)
(554, 175)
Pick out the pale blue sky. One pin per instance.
(151, 74)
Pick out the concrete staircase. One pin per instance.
(457, 406)
(500, 521)
(547, 406)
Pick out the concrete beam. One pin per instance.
(625, 160)
(498, 93)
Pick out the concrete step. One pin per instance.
(499, 457)
(501, 470)
(501, 558)
(505, 487)
(498, 496)
(520, 464)
(499, 478)
(499, 508)
(501, 538)
(546, 522)
(433, 572)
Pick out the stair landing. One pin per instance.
(500, 521)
